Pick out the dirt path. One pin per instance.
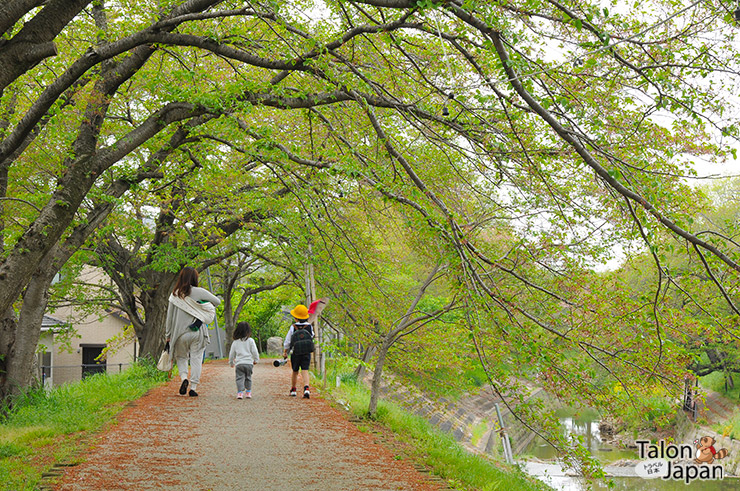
(216, 442)
(716, 408)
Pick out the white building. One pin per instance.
(72, 342)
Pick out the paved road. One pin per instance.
(216, 442)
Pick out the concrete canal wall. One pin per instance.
(471, 419)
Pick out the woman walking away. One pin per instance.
(189, 310)
(244, 355)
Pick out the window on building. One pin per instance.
(45, 367)
(90, 364)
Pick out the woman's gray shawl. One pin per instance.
(203, 311)
(181, 312)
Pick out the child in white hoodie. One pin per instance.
(244, 355)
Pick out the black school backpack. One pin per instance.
(302, 341)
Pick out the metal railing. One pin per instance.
(73, 373)
(691, 389)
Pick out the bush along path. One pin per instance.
(218, 442)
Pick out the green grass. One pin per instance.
(445, 382)
(716, 382)
(44, 428)
(478, 431)
(436, 450)
(730, 428)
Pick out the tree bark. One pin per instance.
(155, 314)
(18, 368)
(13, 10)
(377, 375)
(35, 40)
(18, 355)
(8, 335)
(359, 372)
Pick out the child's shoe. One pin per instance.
(239, 395)
(292, 392)
(248, 394)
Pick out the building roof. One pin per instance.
(49, 322)
(119, 314)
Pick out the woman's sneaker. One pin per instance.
(239, 395)
(248, 394)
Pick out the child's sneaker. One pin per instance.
(306, 394)
(292, 392)
(239, 395)
(248, 394)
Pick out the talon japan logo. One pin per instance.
(681, 462)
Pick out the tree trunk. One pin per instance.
(3, 193)
(35, 301)
(20, 338)
(393, 335)
(18, 355)
(155, 302)
(35, 40)
(377, 373)
(152, 340)
(359, 373)
(229, 320)
(8, 334)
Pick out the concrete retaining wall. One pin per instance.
(471, 420)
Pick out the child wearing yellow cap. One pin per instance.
(299, 342)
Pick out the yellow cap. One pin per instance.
(300, 312)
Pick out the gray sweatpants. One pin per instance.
(244, 377)
(187, 349)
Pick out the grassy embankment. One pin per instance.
(424, 444)
(46, 428)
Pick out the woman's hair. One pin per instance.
(187, 279)
(242, 331)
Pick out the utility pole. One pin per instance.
(319, 332)
(310, 297)
(215, 320)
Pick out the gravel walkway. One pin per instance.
(216, 442)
